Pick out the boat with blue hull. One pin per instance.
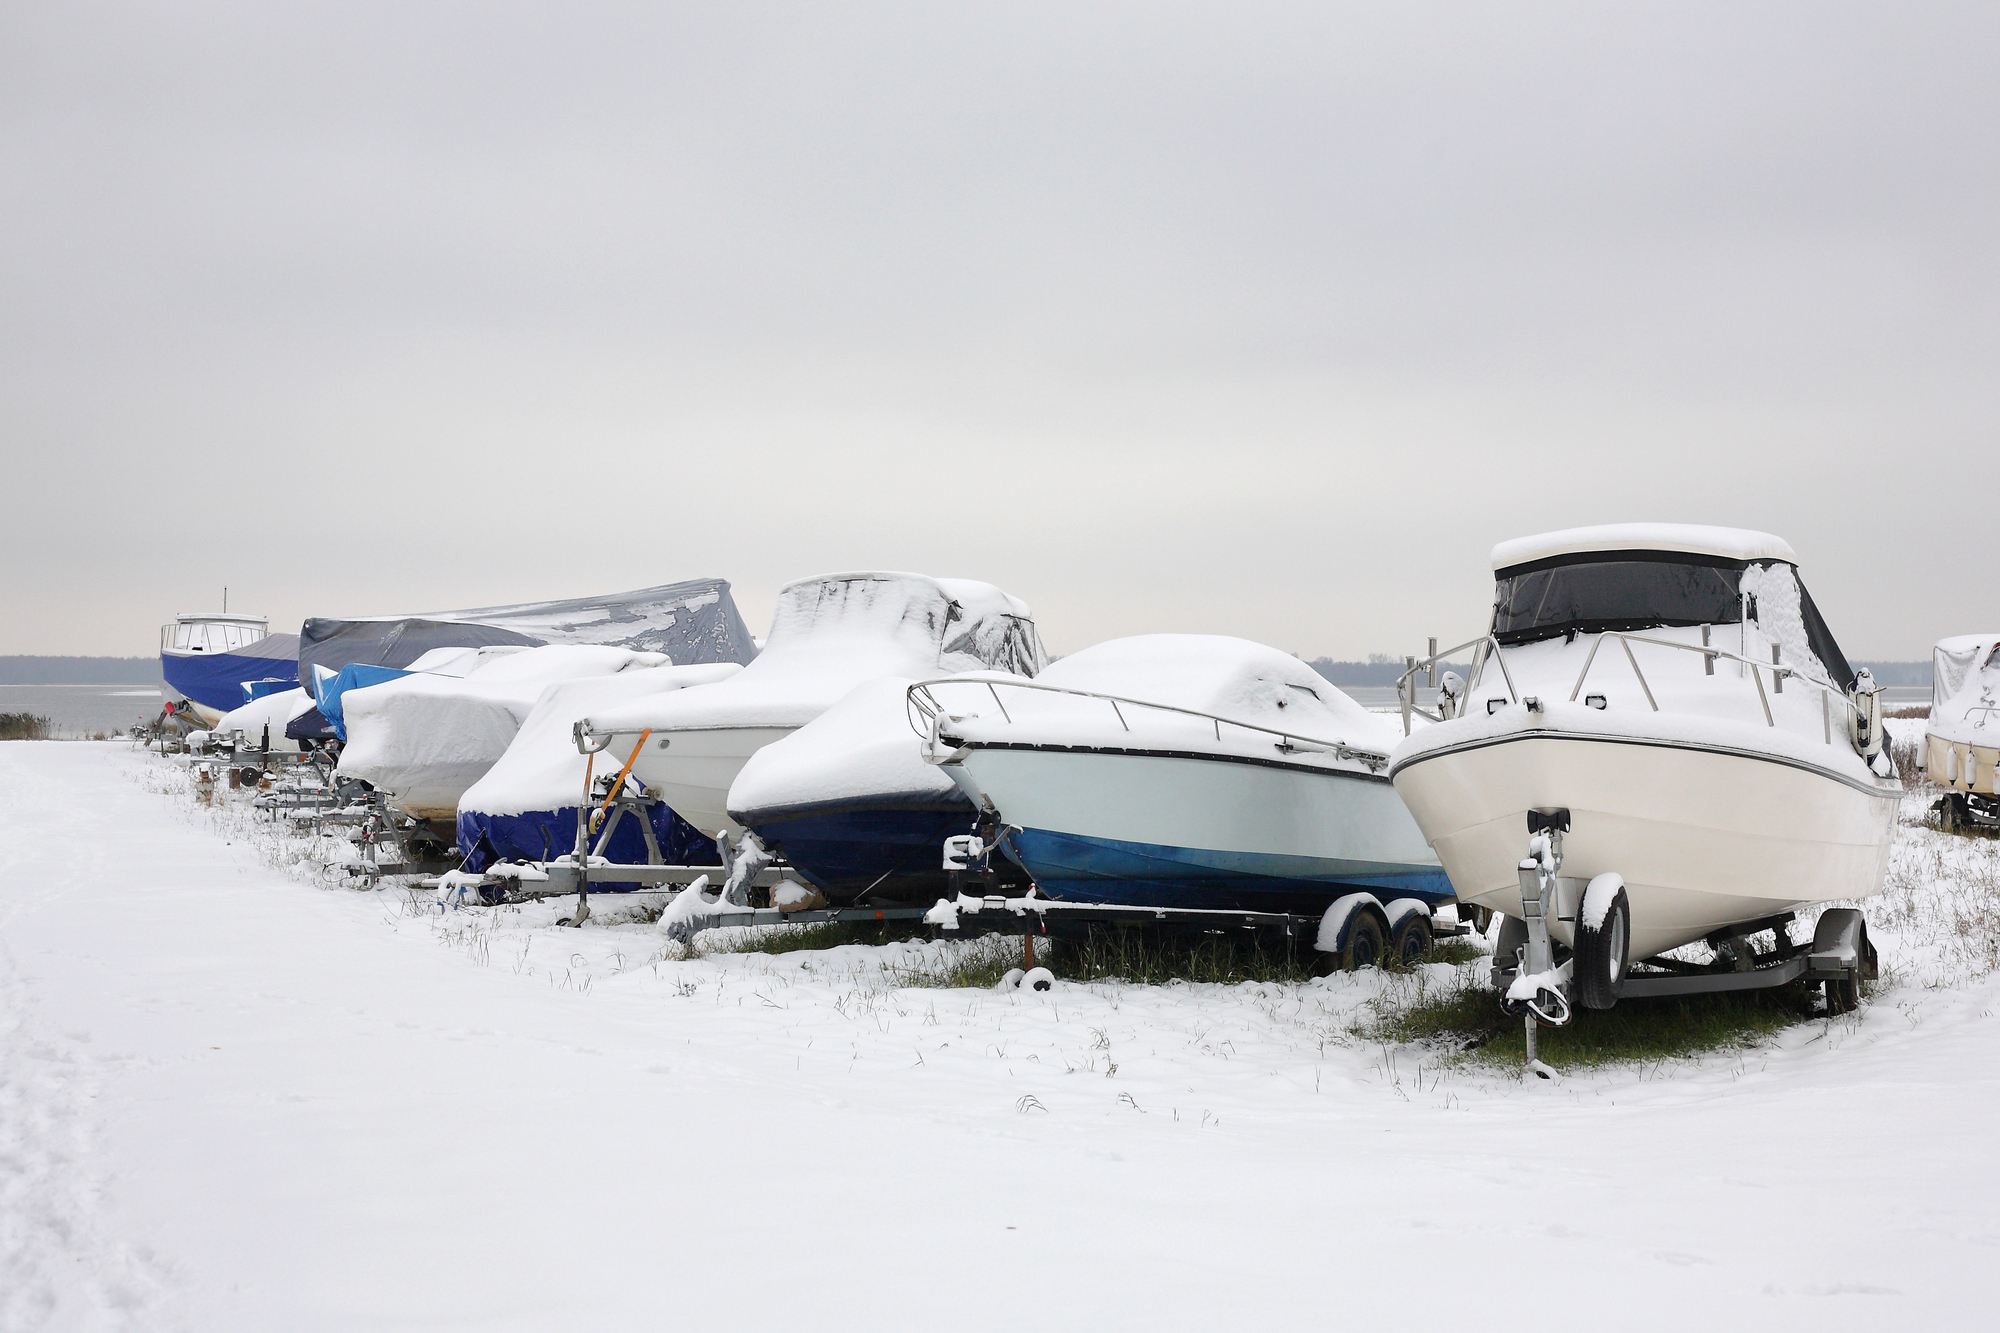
(1183, 771)
(848, 801)
(218, 662)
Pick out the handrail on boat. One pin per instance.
(1487, 646)
(920, 702)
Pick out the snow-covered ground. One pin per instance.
(232, 1097)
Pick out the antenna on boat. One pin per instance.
(225, 599)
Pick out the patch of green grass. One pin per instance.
(1151, 958)
(1455, 949)
(818, 935)
(1465, 1016)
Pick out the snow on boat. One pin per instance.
(1962, 738)
(1184, 771)
(426, 735)
(828, 635)
(850, 803)
(524, 807)
(691, 623)
(218, 662)
(1660, 712)
(267, 716)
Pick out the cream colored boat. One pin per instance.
(1666, 707)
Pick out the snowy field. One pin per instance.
(234, 1097)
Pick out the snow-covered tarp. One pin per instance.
(831, 633)
(525, 805)
(427, 736)
(1211, 676)
(270, 710)
(1965, 689)
(860, 751)
(692, 622)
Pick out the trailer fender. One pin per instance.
(1338, 922)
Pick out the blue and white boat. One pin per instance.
(217, 662)
(1183, 771)
(850, 804)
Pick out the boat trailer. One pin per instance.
(1537, 978)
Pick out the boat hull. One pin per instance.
(691, 769)
(214, 682)
(892, 854)
(1185, 830)
(1703, 836)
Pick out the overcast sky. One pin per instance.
(1262, 320)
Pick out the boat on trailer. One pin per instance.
(1660, 743)
(828, 635)
(215, 662)
(1193, 772)
(1962, 737)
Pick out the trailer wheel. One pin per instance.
(1364, 942)
(1603, 950)
(1843, 994)
(1411, 943)
(1039, 978)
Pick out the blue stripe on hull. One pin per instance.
(843, 853)
(1102, 870)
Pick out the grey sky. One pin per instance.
(1266, 320)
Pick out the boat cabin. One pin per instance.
(212, 633)
(1640, 576)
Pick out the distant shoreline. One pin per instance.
(38, 670)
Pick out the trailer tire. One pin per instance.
(1364, 944)
(1843, 994)
(1513, 938)
(1603, 950)
(1410, 942)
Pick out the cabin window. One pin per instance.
(1595, 594)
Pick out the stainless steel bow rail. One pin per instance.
(921, 702)
(1863, 722)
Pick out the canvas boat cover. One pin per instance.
(1965, 690)
(525, 806)
(690, 623)
(218, 680)
(425, 736)
(833, 632)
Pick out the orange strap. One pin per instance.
(620, 783)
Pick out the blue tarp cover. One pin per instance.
(215, 680)
(352, 677)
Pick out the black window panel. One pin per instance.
(1820, 639)
(1590, 596)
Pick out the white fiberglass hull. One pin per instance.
(1704, 836)
(1183, 830)
(691, 770)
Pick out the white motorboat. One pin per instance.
(1186, 771)
(1962, 738)
(1659, 718)
(828, 635)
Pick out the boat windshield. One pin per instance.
(1589, 593)
(1625, 592)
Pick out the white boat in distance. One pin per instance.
(1671, 694)
(1183, 771)
(1962, 737)
(828, 635)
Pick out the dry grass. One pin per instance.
(25, 727)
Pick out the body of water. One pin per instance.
(83, 710)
